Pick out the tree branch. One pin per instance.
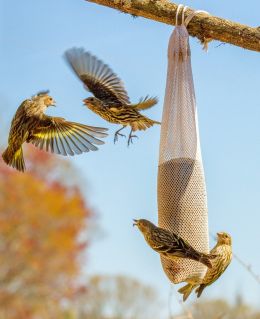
(204, 27)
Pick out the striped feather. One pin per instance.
(14, 158)
(173, 246)
(58, 136)
(97, 77)
(145, 103)
(219, 265)
(222, 257)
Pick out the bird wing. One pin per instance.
(97, 77)
(59, 136)
(170, 244)
(145, 103)
(164, 241)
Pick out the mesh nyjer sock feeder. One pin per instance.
(182, 199)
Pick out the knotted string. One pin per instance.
(188, 19)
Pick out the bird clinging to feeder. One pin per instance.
(110, 100)
(169, 244)
(223, 251)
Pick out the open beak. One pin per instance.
(54, 103)
(135, 222)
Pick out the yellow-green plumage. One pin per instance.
(122, 114)
(223, 252)
(54, 134)
(110, 100)
(169, 244)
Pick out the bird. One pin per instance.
(48, 133)
(170, 245)
(110, 100)
(223, 251)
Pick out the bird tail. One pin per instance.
(143, 123)
(205, 259)
(199, 290)
(186, 291)
(145, 103)
(14, 158)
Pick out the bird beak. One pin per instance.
(54, 103)
(219, 234)
(135, 222)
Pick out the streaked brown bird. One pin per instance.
(110, 100)
(53, 134)
(223, 251)
(169, 244)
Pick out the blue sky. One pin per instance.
(121, 181)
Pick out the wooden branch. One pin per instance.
(204, 27)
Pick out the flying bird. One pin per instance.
(223, 251)
(110, 100)
(169, 244)
(48, 133)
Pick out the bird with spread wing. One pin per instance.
(48, 133)
(110, 100)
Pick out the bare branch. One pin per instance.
(204, 27)
(248, 268)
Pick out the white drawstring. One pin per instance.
(189, 17)
(177, 13)
(182, 16)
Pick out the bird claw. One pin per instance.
(116, 136)
(130, 139)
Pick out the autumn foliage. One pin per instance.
(43, 226)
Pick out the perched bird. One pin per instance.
(223, 251)
(53, 134)
(110, 100)
(169, 244)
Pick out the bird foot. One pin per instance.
(130, 139)
(116, 136)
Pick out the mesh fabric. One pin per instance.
(182, 200)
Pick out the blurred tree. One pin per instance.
(117, 297)
(221, 309)
(42, 220)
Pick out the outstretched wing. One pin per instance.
(145, 103)
(97, 77)
(56, 135)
